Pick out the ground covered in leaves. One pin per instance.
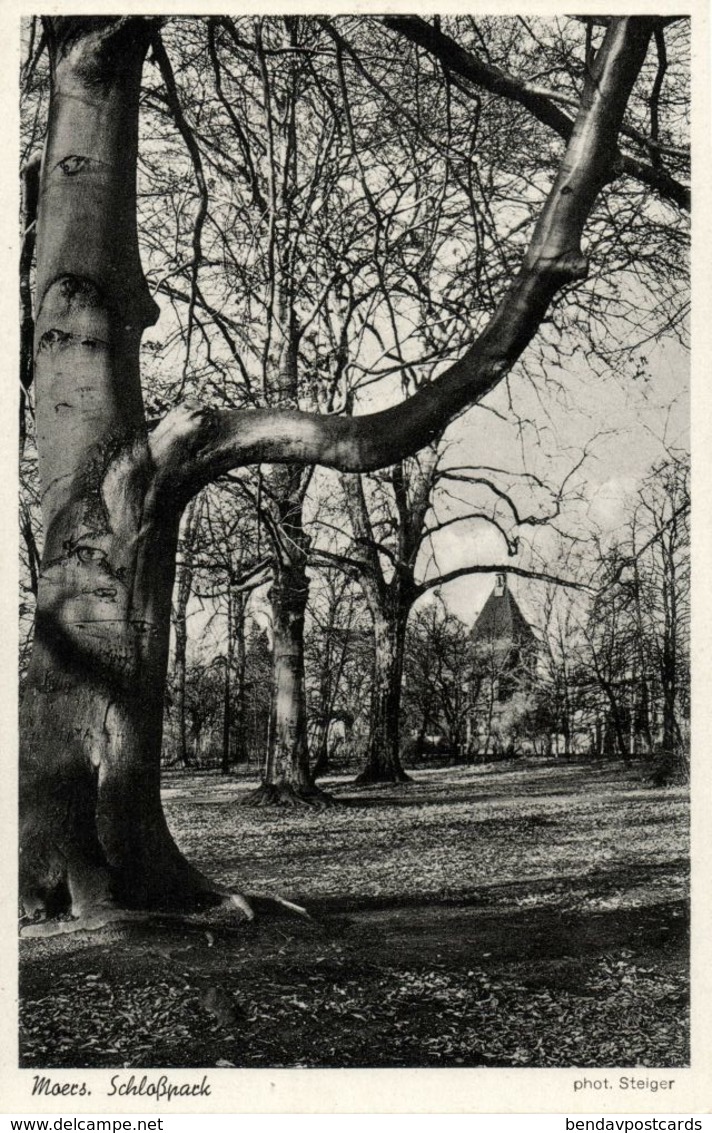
(522, 914)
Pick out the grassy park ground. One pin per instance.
(529, 913)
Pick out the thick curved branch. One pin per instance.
(468, 65)
(193, 446)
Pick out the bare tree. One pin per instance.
(437, 684)
(93, 835)
(638, 631)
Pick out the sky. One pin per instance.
(625, 427)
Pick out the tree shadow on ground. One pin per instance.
(365, 983)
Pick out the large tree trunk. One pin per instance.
(91, 824)
(383, 764)
(286, 777)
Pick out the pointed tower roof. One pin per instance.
(501, 620)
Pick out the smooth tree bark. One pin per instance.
(93, 833)
(286, 771)
(92, 830)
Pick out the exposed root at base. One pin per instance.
(88, 922)
(237, 901)
(291, 907)
(284, 794)
(105, 915)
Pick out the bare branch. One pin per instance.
(197, 445)
(506, 568)
(470, 66)
(186, 133)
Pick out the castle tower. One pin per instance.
(502, 627)
(504, 651)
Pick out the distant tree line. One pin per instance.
(610, 676)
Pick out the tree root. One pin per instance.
(94, 920)
(101, 916)
(291, 907)
(237, 901)
(286, 795)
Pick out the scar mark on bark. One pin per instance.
(73, 286)
(87, 554)
(63, 338)
(105, 592)
(54, 337)
(73, 164)
(142, 626)
(80, 624)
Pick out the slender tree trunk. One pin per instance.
(179, 664)
(225, 761)
(240, 728)
(566, 732)
(286, 777)
(383, 764)
(321, 751)
(180, 629)
(332, 670)
(288, 758)
(92, 830)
